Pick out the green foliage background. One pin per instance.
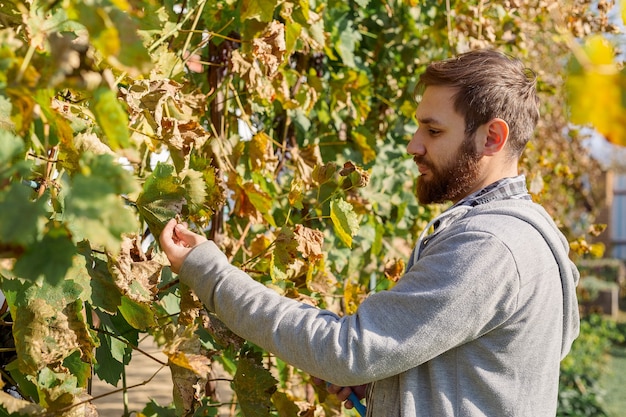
(316, 201)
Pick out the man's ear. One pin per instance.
(497, 131)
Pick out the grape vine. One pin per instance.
(277, 128)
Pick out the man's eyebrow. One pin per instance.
(428, 121)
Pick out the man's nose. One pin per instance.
(415, 146)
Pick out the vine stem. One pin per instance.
(193, 28)
(239, 244)
(176, 28)
(25, 62)
(137, 348)
(106, 394)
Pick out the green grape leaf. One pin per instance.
(345, 222)
(111, 117)
(162, 198)
(22, 217)
(262, 10)
(104, 295)
(347, 42)
(94, 212)
(138, 315)
(57, 389)
(254, 385)
(77, 367)
(296, 194)
(51, 258)
(111, 357)
(195, 188)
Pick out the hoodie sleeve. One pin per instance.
(442, 302)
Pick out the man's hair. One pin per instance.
(490, 84)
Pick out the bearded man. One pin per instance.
(487, 308)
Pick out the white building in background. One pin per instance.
(617, 219)
(613, 159)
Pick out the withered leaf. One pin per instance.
(394, 270)
(133, 273)
(270, 48)
(262, 153)
(310, 242)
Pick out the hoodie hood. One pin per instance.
(536, 216)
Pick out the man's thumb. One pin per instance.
(187, 236)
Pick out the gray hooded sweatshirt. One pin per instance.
(476, 327)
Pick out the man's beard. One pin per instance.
(451, 182)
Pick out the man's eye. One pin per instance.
(434, 132)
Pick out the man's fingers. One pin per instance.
(188, 237)
(167, 234)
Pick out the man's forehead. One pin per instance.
(436, 104)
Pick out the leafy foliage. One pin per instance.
(276, 128)
(579, 394)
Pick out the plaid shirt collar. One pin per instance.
(505, 188)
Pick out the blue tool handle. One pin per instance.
(360, 408)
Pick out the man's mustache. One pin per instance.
(422, 161)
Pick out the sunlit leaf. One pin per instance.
(598, 81)
(286, 405)
(195, 188)
(262, 10)
(366, 142)
(296, 194)
(113, 32)
(97, 214)
(269, 49)
(199, 364)
(111, 117)
(352, 295)
(260, 200)
(138, 315)
(261, 151)
(346, 40)
(284, 254)
(162, 198)
(57, 389)
(345, 221)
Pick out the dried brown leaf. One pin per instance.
(270, 48)
(134, 274)
(310, 242)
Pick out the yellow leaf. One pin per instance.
(351, 294)
(599, 81)
(199, 364)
